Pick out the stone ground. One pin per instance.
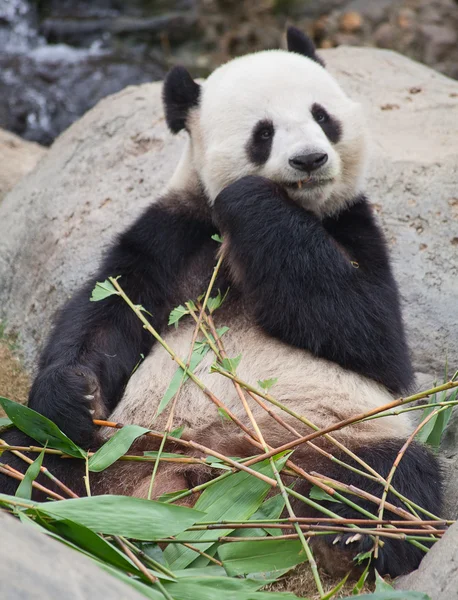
(14, 381)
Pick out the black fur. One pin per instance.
(260, 142)
(94, 346)
(299, 279)
(180, 93)
(418, 477)
(69, 471)
(300, 43)
(330, 125)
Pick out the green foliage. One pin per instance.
(40, 428)
(103, 290)
(177, 313)
(434, 429)
(242, 558)
(217, 238)
(24, 489)
(266, 384)
(115, 447)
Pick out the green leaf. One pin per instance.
(336, 589)
(235, 497)
(121, 515)
(217, 238)
(24, 489)
(221, 331)
(266, 384)
(393, 595)
(222, 588)
(103, 290)
(242, 558)
(196, 358)
(177, 313)
(361, 581)
(177, 433)
(317, 493)
(214, 303)
(231, 364)
(93, 544)
(5, 422)
(40, 428)
(380, 584)
(223, 414)
(115, 447)
(270, 509)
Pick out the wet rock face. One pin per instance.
(58, 60)
(105, 169)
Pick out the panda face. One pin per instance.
(278, 114)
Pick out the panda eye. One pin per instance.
(320, 116)
(266, 133)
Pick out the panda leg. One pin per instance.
(417, 477)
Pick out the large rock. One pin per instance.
(438, 572)
(33, 567)
(102, 172)
(17, 158)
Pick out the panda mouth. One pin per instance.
(303, 183)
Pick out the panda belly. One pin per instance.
(319, 390)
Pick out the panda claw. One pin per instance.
(353, 538)
(336, 540)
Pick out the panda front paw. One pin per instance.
(69, 396)
(245, 201)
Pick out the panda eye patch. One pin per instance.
(329, 124)
(260, 143)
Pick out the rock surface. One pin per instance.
(104, 169)
(33, 567)
(437, 575)
(17, 158)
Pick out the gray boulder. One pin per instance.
(437, 575)
(33, 567)
(103, 171)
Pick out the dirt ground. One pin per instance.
(14, 381)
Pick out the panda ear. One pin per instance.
(301, 44)
(180, 93)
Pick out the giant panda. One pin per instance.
(274, 162)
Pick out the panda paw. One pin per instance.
(71, 398)
(248, 196)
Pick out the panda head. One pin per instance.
(275, 113)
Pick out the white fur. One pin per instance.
(281, 86)
(315, 388)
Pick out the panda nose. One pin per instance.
(308, 162)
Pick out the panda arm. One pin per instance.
(94, 346)
(297, 275)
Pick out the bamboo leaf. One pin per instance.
(223, 588)
(196, 358)
(235, 497)
(115, 447)
(177, 313)
(270, 509)
(177, 433)
(5, 422)
(40, 428)
(380, 584)
(24, 489)
(217, 238)
(103, 290)
(393, 595)
(266, 384)
(336, 589)
(141, 588)
(361, 581)
(242, 558)
(122, 515)
(317, 493)
(231, 364)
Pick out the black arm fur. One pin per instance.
(94, 346)
(298, 277)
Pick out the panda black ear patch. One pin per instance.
(300, 43)
(180, 93)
